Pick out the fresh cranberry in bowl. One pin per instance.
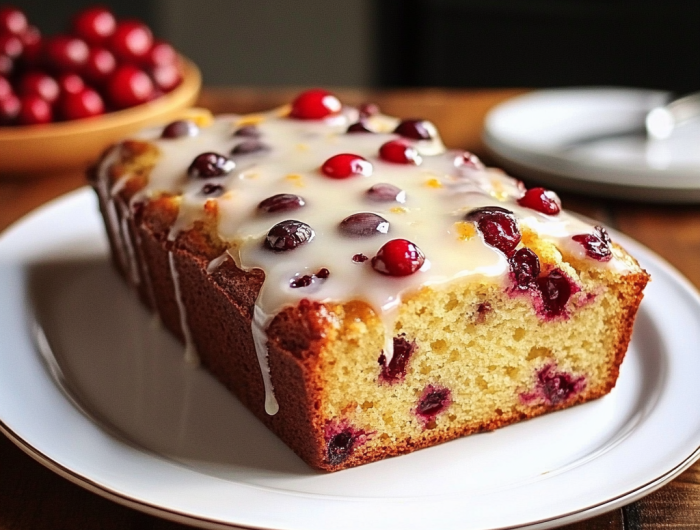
(9, 109)
(84, 104)
(129, 86)
(12, 20)
(131, 41)
(100, 65)
(39, 84)
(34, 110)
(315, 104)
(65, 53)
(95, 25)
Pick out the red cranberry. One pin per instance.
(399, 152)
(364, 224)
(66, 54)
(84, 104)
(99, 66)
(368, 109)
(359, 127)
(395, 370)
(131, 41)
(597, 244)
(12, 20)
(346, 165)
(556, 290)
(414, 129)
(10, 46)
(282, 202)
(39, 84)
(383, 192)
(497, 226)
(70, 83)
(541, 200)
(525, 266)
(167, 77)
(213, 190)
(557, 387)
(432, 402)
(34, 110)
(301, 281)
(129, 86)
(5, 87)
(248, 131)
(288, 235)
(209, 165)
(398, 257)
(32, 44)
(180, 129)
(359, 258)
(95, 25)
(249, 146)
(160, 54)
(315, 104)
(468, 160)
(9, 109)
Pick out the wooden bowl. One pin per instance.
(71, 146)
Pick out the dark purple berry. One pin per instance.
(323, 273)
(248, 131)
(302, 281)
(556, 290)
(414, 129)
(363, 224)
(383, 192)
(210, 165)
(597, 245)
(339, 447)
(525, 266)
(497, 226)
(282, 202)
(213, 190)
(359, 127)
(432, 402)
(395, 371)
(482, 310)
(249, 146)
(360, 258)
(368, 109)
(557, 387)
(288, 235)
(180, 129)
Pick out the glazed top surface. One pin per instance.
(437, 192)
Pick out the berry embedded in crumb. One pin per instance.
(359, 258)
(556, 289)
(288, 235)
(415, 129)
(346, 165)
(399, 152)
(482, 310)
(315, 104)
(497, 226)
(247, 131)
(432, 402)
(383, 192)
(553, 386)
(525, 266)
(398, 257)
(249, 146)
(282, 202)
(359, 127)
(395, 370)
(541, 200)
(341, 440)
(210, 165)
(213, 190)
(597, 244)
(468, 160)
(180, 129)
(363, 224)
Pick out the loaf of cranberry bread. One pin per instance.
(364, 291)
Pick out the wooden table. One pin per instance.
(32, 497)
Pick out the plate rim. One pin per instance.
(204, 522)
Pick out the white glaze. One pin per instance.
(191, 355)
(439, 193)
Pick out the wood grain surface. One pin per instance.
(34, 498)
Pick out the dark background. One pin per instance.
(393, 43)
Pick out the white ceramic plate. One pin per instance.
(568, 139)
(103, 397)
